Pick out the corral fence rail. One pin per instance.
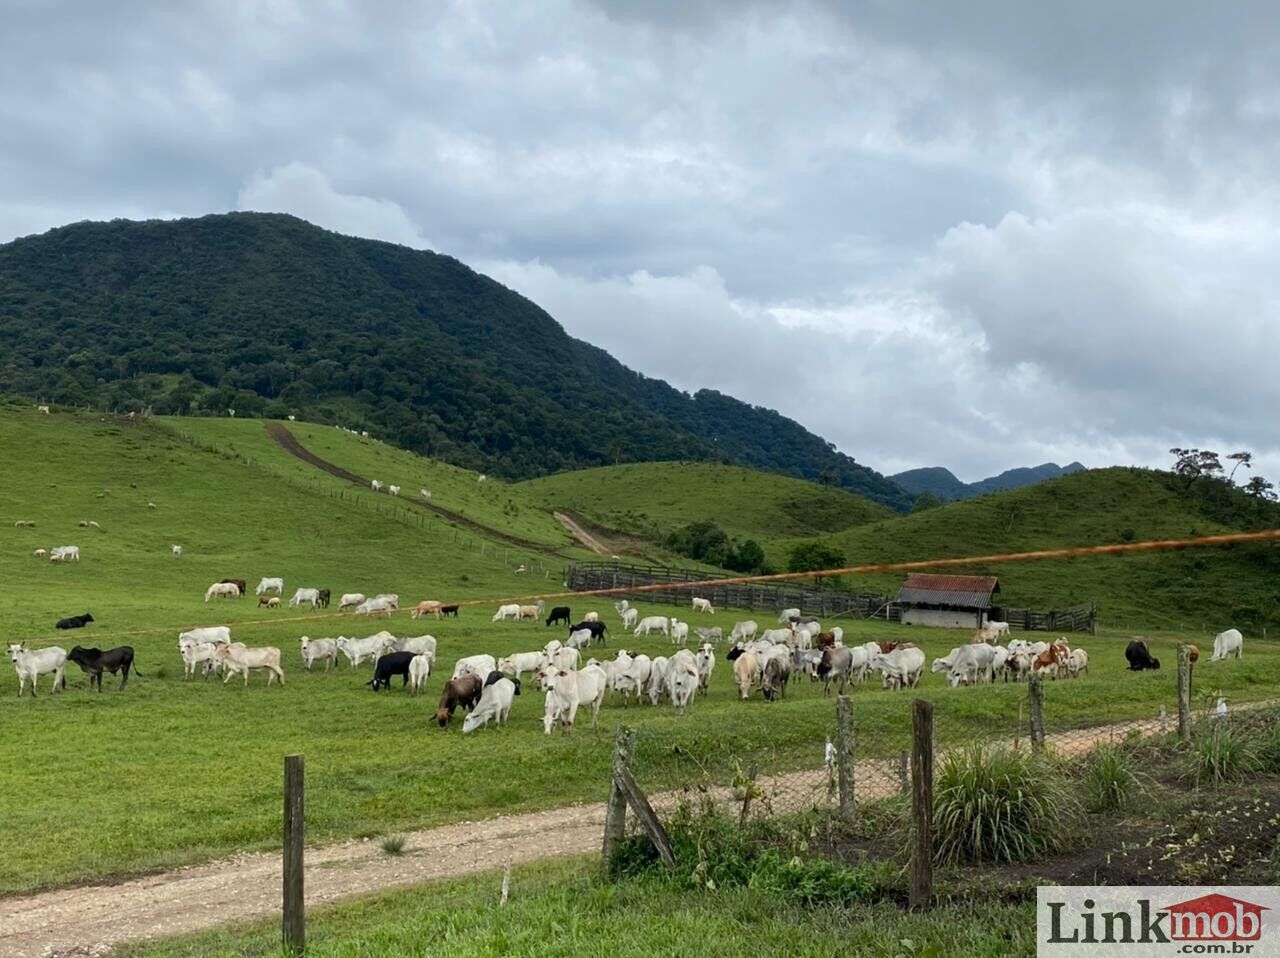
(821, 601)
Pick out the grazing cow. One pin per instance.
(226, 590)
(238, 659)
(350, 600)
(239, 584)
(743, 630)
(969, 663)
(746, 670)
(713, 634)
(776, 675)
(375, 485)
(480, 665)
(32, 663)
(389, 665)
(390, 598)
(376, 606)
(426, 607)
(633, 677)
(658, 670)
(679, 631)
(419, 672)
(25, 524)
(394, 490)
(95, 662)
(449, 610)
(302, 595)
(835, 664)
(521, 662)
(65, 554)
(580, 639)
(74, 621)
(417, 644)
(270, 601)
(621, 606)
(529, 612)
(591, 617)
(1139, 657)
(357, 650)
(425, 493)
(495, 703)
(40, 553)
(654, 623)
(461, 691)
(703, 605)
(314, 650)
(267, 583)
(559, 614)
(209, 633)
(506, 612)
(43, 409)
(1226, 643)
(597, 630)
(629, 617)
(176, 550)
(322, 598)
(900, 667)
(786, 615)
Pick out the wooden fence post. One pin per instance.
(844, 757)
(615, 816)
(921, 895)
(1035, 696)
(294, 923)
(904, 771)
(1184, 692)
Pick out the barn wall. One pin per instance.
(941, 618)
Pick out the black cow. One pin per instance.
(559, 614)
(447, 610)
(597, 630)
(1139, 657)
(95, 662)
(75, 621)
(495, 676)
(239, 583)
(393, 663)
(323, 598)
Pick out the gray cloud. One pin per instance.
(978, 234)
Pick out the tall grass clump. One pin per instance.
(1109, 780)
(1268, 750)
(995, 804)
(1222, 756)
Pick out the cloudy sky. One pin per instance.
(979, 235)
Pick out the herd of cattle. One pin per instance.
(484, 686)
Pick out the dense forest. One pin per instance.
(271, 316)
(945, 487)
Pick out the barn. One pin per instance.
(947, 601)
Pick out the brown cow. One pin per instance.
(463, 691)
(426, 607)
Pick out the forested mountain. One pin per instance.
(269, 315)
(943, 483)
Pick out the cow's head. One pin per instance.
(442, 716)
(16, 649)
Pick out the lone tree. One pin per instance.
(1193, 464)
(1242, 458)
(1260, 488)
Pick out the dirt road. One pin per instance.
(581, 534)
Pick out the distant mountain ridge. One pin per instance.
(943, 483)
(271, 316)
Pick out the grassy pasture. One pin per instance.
(197, 765)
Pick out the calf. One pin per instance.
(1139, 657)
(449, 610)
(74, 621)
(389, 665)
(419, 672)
(462, 691)
(238, 583)
(559, 614)
(95, 662)
(270, 601)
(597, 630)
(323, 598)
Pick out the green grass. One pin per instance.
(1198, 590)
(653, 498)
(375, 764)
(558, 909)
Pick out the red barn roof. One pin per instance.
(963, 591)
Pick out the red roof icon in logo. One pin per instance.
(1215, 917)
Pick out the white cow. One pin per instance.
(679, 631)
(589, 617)
(743, 630)
(567, 691)
(1077, 662)
(562, 658)
(394, 490)
(622, 605)
(653, 623)
(316, 650)
(774, 636)
(194, 652)
(901, 667)
(746, 673)
(375, 485)
(30, 664)
(306, 595)
(504, 612)
(580, 639)
(1225, 643)
(226, 590)
(629, 618)
(520, 662)
(971, 663)
(176, 550)
(634, 677)
(425, 493)
(419, 672)
(480, 665)
(703, 605)
(210, 633)
(417, 644)
(705, 663)
(658, 678)
(713, 634)
(376, 606)
(370, 647)
(495, 703)
(350, 600)
(239, 660)
(786, 615)
(683, 682)
(268, 583)
(65, 553)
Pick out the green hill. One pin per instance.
(271, 316)
(1209, 588)
(653, 499)
(943, 483)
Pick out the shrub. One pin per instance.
(999, 805)
(1268, 750)
(1109, 780)
(394, 844)
(1222, 756)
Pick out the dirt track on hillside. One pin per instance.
(290, 444)
(581, 534)
(91, 920)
